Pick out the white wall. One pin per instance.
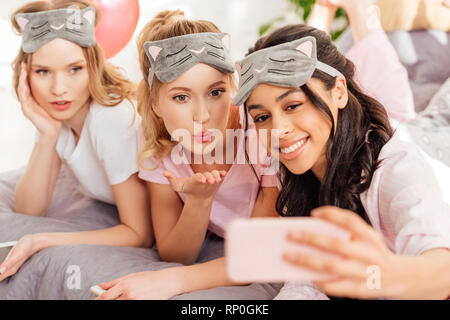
(240, 18)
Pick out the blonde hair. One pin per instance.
(107, 85)
(165, 25)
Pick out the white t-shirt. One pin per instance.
(106, 153)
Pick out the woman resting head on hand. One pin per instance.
(82, 109)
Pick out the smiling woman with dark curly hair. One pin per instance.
(342, 162)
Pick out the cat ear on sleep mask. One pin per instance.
(73, 24)
(289, 64)
(169, 58)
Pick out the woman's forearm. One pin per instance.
(436, 273)
(364, 18)
(120, 235)
(35, 189)
(207, 275)
(183, 243)
(426, 276)
(321, 17)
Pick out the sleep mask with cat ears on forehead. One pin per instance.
(289, 64)
(71, 24)
(171, 57)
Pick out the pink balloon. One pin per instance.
(118, 21)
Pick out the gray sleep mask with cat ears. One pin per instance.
(171, 57)
(289, 64)
(71, 24)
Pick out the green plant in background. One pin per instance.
(303, 9)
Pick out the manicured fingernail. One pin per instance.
(3, 270)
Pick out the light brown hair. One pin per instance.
(165, 25)
(107, 85)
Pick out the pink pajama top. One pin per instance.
(408, 200)
(381, 75)
(238, 192)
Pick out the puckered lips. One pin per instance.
(203, 137)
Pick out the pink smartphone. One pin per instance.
(254, 248)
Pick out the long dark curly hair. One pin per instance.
(353, 146)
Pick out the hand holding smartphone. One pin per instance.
(254, 248)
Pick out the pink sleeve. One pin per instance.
(150, 170)
(413, 203)
(265, 166)
(381, 75)
(268, 172)
(149, 174)
(269, 181)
